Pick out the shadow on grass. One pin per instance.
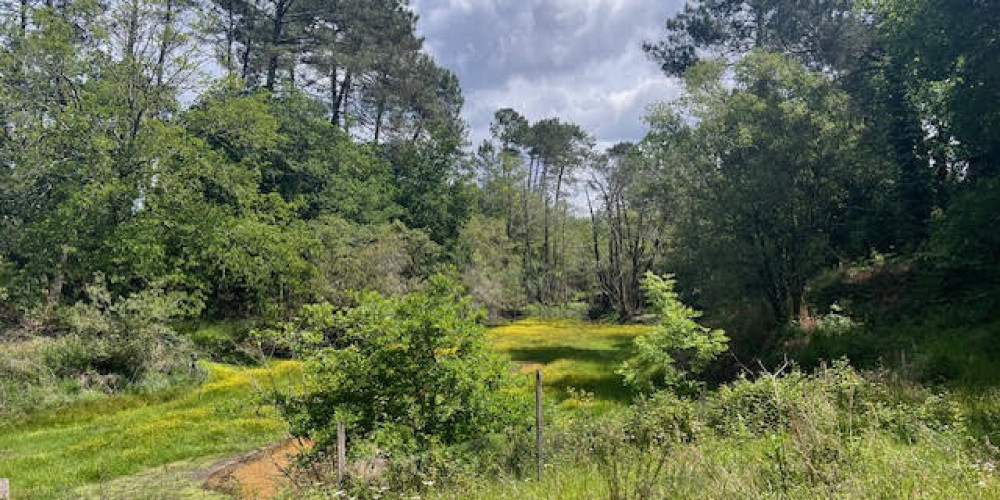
(609, 387)
(549, 354)
(594, 372)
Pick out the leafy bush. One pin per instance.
(126, 337)
(677, 347)
(407, 373)
(103, 345)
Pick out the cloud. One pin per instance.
(579, 60)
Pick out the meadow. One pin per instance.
(834, 434)
(159, 436)
(578, 360)
(113, 446)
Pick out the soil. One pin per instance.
(260, 475)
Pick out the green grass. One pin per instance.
(714, 468)
(49, 454)
(573, 357)
(106, 447)
(153, 446)
(176, 481)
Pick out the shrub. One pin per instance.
(123, 338)
(411, 373)
(677, 347)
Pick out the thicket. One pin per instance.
(102, 345)
(835, 433)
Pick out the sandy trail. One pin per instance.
(259, 475)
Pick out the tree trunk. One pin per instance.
(277, 31)
(230, 37)
(379, 112)
(248, 44)
(340, 102)
(165, 42)
(24, 18)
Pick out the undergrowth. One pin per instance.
(835, 433)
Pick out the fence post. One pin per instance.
(539, 423)
(341, 451)
(4, 488)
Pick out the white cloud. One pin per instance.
(580, 60)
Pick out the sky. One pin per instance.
(578, 60)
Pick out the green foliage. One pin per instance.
(404, 372)
(117, 341)
(834, 433)
(946, 51)
(491, 267)
(388, 258)
(105, 345)
(959, 241)
(437, 196)
(678, 346)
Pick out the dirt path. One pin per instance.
(259, 475)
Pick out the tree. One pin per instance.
(387, 258)
(847, 40)
(490, 265)
(946, 55)
(678, 346)
(825, 35)
(781, 158)
(629, 221)
(432, 185)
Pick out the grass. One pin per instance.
(573, 357)
(49, 454)
(734, 469)
(155, 445)
(833, 434)
(176, 481)
(108, 447)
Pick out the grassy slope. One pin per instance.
(48, 454)
(571, 355)
(113, 446)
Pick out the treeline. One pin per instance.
(820, 135)
(254, 156)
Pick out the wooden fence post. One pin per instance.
(4, 488)
(539, 423)
(341, 451)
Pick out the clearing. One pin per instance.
(166, 445)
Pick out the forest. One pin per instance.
(226, 224)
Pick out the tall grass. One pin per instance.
(832, 434)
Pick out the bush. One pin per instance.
(127, 338)
(103, 345)
(409, 373)
(676, 348)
